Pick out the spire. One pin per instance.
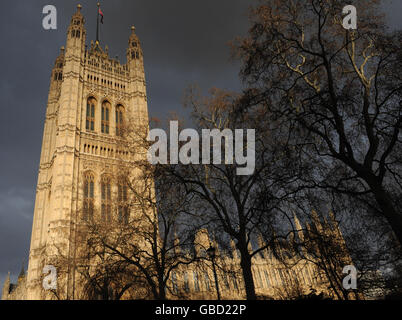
(177, 248)
(22, 273)
(76, 30)
(134, 51)
(316, 220)
(234, 249)
(299, 228)
(78, 13)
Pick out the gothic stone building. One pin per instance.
(90, 95)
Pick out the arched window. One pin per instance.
(106, 195)
(207, 282)
(90, 123)
(196, 282)
(105, 117)
(119, 120)
(89, 196)
(174, 283)
(186, 282)
(122, 198)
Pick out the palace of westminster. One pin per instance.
(90, 95)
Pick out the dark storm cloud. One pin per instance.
(184, 42)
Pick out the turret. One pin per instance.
(135, 58)
(21, 276)
(316, 221)
(201, 241)
(137, 85)
(76, 34)
(57, 72)
(298, 227)
(234, 249)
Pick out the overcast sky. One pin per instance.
(185, 42)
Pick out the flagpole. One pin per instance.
(97, 25)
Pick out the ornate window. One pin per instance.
(90, 122)
(89, 196)
(234, 280)
(186, 282)
(259, 279)
(106, 195)
(207, 282)
(122, 210)
(267, 278)
(105, 117)
(119, 120)
(225, 281)
(174, 283)
(195, 280)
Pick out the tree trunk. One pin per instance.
(245, 264)
(390, 213)
(162, 290)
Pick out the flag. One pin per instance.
(101, 14)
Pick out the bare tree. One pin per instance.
(149, 232)
(242, 207)
(337, 91)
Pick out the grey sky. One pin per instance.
(184, 43)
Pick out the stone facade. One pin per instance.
(273, 279)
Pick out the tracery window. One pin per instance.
(195, 280)
(174, 283)
(105, 117)
(186, 282)
(122, 210)
(207, 282)
(267, 278)
(119, 120)
(89, 196)
(106, 197)
(90, 120)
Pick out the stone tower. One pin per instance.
(90, 95)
